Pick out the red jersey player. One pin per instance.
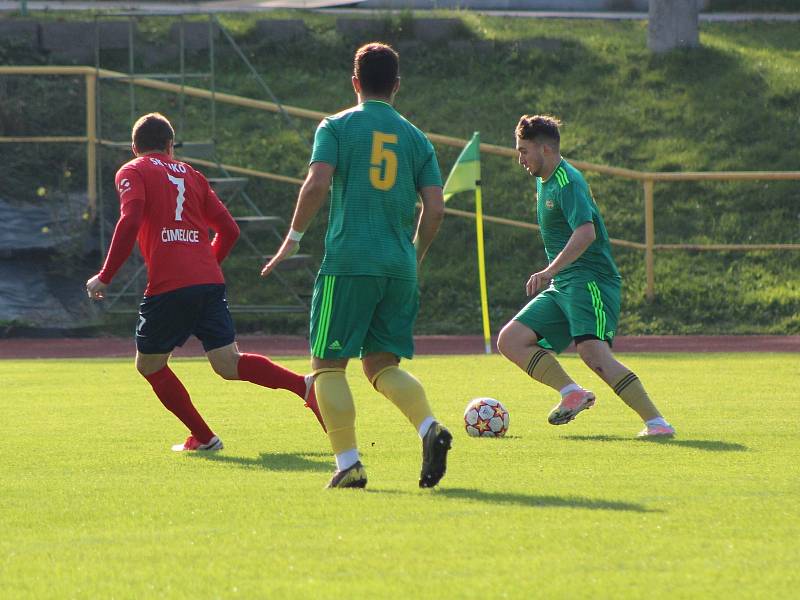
(169, 207)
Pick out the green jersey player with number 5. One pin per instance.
(375, 165)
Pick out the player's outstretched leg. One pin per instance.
(598, 357)
(407, 394)
(231, 364)
(339, 413)
(518, 343)
(262, 371)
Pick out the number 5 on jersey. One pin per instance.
(179, 183)
(383, 163)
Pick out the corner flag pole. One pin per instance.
(487, 343)
(466, 176)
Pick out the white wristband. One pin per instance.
(294, 235)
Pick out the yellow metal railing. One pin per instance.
(647, 178)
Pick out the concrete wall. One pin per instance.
(672, 24)
(66, 40)
(547, 5)
(74, 41)
(421, 29)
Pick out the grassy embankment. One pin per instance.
(730, 105)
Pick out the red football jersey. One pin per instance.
(177, 207)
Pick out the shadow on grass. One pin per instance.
(532, 500)
(709, 445)
(272, 462)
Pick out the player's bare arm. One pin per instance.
(311, 198)
(579, 241)
(430, 219)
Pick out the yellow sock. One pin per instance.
(632, 392)
(405, 392)
(544, 368)
(337, 408)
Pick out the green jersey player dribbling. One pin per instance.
(376, 165)
(577, 296)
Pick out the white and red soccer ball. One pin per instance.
(486, 417)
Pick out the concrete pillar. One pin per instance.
(672, 24)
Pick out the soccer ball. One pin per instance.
(486, 417)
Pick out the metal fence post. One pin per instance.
(649, 239)
(91, 143)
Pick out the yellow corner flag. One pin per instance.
(466, 176)
(466, 173)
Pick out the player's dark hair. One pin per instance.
(539, 128)
(376, 66)
(152, 132)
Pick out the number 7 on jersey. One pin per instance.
(179, 183)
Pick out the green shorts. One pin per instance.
(566, 311)
(358, 315)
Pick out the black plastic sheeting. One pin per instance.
(26, 227)
(33, 289)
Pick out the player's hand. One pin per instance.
(538, 282)
(288, 249)
(96, 288)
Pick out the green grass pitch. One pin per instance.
(94, 505)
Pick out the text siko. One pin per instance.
(174, 167)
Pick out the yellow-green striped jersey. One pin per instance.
(380, 162)
(564, 203)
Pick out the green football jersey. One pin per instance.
(564, 203)
(380, 162)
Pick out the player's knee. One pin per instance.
(222, 372)
(147, 364)
(226, 370)
(590, 359)
(374, 364)
(506, 341)
(227, 366)
(225, 361)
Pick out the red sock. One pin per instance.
(175, 398)
(262, 371)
